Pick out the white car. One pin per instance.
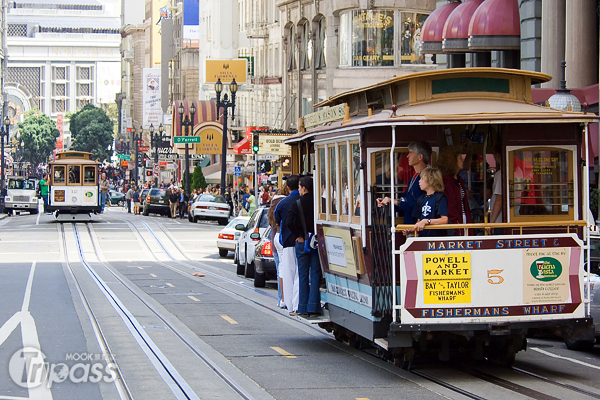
(210, 207)
(251, 234)
(229, 236)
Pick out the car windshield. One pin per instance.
(157, 192)
(212, 199)
(21, 184)
(237, 221)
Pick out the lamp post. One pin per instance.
(225, 103)
(4, 133)
(186, 123)
(156, 142)
(137, 136)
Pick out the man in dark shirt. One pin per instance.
(288, 264)
(419, 154)
(173, 201)
(183, 201)
(300, 221)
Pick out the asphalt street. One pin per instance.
(143, 307)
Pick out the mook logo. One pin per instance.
(29, 369)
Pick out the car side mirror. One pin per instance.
(255, 236)
(240, 227)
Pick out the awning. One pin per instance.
(243, 147)
(495, 25)
(456, 29)
(433, 29)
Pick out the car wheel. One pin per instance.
(195, 219)
(146, 212)
(33, 211)
(248, 269)
(239, 267)
(579, 345)
(223, 221)
(191, 219)
(259, 280)
(120, 203)
(223, 252)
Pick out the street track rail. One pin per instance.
(517, 388)
(177, 384)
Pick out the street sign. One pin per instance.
(186, 139)
(143, 148)
(156, 170)
(124, 156)
(238, 171)
(266, 157)
(163, 163)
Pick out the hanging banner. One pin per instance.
(152, 108)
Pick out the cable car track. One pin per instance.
(517, 388)
(184, 390)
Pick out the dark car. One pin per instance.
(264, 263)
(157, 201)
(116, 198)
(144, 195)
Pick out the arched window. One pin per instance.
(320, 37)
(304, 49)
(291, 47)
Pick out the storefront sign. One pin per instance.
(323, 116)
(447, 278)
(152, 108)
(273, 145)
(211, 134)
(340, 254)
(226, 70)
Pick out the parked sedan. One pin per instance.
(264, 263)
(251, 233)
(210, 207)
(229, 236)
(116, 198)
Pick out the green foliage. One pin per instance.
(92, 131)
(38, 133)
(198, 181)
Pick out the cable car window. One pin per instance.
(322, 181)
(89, 175)
(541, 183)
(74, 174)
(345, 190)
(356, 180)
(333, 203)
(59, 175)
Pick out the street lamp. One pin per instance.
(186, 123)
(4, 133)
(225, 103)
(157, 141)
(136, 143)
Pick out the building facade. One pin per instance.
(61, 56)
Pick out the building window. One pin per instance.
(367, 38)
(291, 46)
(84, 73)
(81, 103)
(19, 30)
(304, 46)
(59, 73)
(320, 44)
(59, 106)
(83, 89)
(59, 89)
(410, 38)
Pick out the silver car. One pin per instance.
(210, 207)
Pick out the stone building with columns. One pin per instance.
(333, 46)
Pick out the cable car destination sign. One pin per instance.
(326, 115)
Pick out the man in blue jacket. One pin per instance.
(419, 154)
(288, 264)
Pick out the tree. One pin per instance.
(198, 181)
(38, 133)
(92, 131)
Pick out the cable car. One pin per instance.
(476, 291)
(74, 194)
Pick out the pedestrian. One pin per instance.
(104, 186)
(265, 196)
(229, 199)
(251, 203)
(183, 201)
(288, 264)
(277, 248)
(173, 201)
(432, 207)
(300, 221)
(451, 163)
(128, 196)
(44, 191)
(135, 198)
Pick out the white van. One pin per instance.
(21, 195)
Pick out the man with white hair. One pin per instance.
(104, 186)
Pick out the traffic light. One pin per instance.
(255, 142)
(145, 158)
(149, 173)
